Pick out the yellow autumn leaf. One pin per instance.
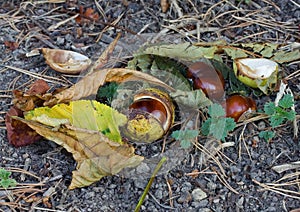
(85, 114)
(95, 154)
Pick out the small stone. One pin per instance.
(140, 183)
(185, 197)
(198, 194)
(90, 194)
(98, 189)
(25, 156)
(211, 186)
(186, 186)
(60, 40)
(159, 194)
(143, 168)
(272, 209)
(261, 125)
(240, 202)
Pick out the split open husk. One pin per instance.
(67, 62)
(150, 116)
(258, 73)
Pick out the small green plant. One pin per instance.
(5, 180)
(185, 137)
(105, 93)
(217, 125)
(278, 115)
(267, 135)
(282, 112)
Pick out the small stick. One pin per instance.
(157, 168)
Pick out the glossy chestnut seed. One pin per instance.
(153, 107)
(150, 116)
(237, 105)
(208, 79)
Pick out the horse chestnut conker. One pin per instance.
(206, 78)
(237, 105)
(151, 106)
(150, 116)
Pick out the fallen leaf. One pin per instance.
(90, 84)
(18, 133)
(11, 45)
(83, 114)
(168, 70)
(285, 57)
(23, 102)
(235, 52)
(32, 98)
(38, 87)
(191, 99)
(95, 154)
(182, 51)
(64, 61)
(86, 15)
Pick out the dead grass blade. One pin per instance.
(54, 80)
(284, 189)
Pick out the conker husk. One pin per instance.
(150, 116)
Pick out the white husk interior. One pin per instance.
(257, 68)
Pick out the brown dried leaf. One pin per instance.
(95, 154)
(18, 133)
(90, 83)
(11, 45)
(38, 87)
(104, 57)
(32, 98)
(64, 61)
(85, 16)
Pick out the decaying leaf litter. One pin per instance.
(177, 7)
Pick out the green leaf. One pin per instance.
(235, 52)
(269, 108)
(216, 110)
(192, 99)
(166, 69)
(182, 51)
(285, 57)
(107, 92)
(286, 102)
(84, 114)
(291, 115)
(278, 114)
(217, 125)
(6, 183)
(185, 143)
(267, 135)
(205, 128)
(276, 120)
(185, 137)
(4, 174)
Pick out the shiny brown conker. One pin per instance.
(236, 105)
(152, 106)
(207, 78)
